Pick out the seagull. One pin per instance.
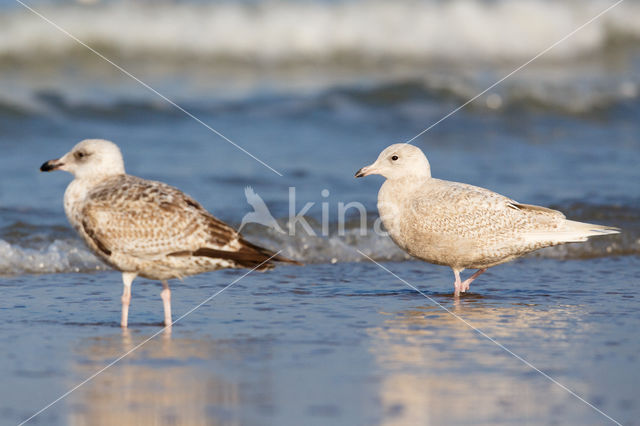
(146, 228)
(260, 213)
(462, 226)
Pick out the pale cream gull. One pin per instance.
(147, 228)
(459, 225)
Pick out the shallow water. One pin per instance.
(339, 340)
(344, 343)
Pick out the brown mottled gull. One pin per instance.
(459, 225)
(147, 228)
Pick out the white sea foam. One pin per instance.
(285, 31)
(58, 256)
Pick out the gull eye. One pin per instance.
(394, 158)
(80, 155)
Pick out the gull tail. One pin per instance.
(572, 232)
(267, 254)
(248, 256)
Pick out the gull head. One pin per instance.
(90, 158)
(398, 161)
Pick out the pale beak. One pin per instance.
(51, 165)
(366, 171)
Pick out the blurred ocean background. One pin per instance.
(316, 89)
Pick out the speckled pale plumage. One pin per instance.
(462, 226)
(147, 228)
(459, 225)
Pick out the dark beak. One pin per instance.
(366, 171)
(51, 165)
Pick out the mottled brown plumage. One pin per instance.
(147, 228)
(158, 231)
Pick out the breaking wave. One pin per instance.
(52, 248)
(57, 256)
(281, 32)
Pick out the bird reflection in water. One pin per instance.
(435, 369)
(162, 382)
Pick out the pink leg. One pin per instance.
(457, 285)
(127, 279)
(166, 301)
(465, 285)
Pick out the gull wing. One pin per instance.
(145, 218)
